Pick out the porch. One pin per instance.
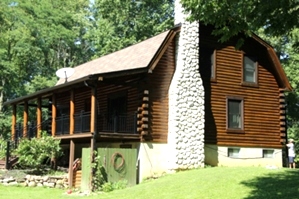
(106, 124)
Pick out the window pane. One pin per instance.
(249, 69)
(233, 152)
(212, 64)
(268, 153)
(234, 114)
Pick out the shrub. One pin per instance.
(3, 146)
(99, 174)
(32, 153)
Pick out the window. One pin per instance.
(268, 153)
(208, 62)
(235, 113)
(249, 69)
(87, 105)
(233, 152)
(117, 104)
(213, 64)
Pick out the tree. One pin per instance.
(37, 38)
(230, 17)
(120, 23)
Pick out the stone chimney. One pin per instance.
(186, 99)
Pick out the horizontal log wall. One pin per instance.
(261, 104)
(159, 82)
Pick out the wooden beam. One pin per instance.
(92, 110)
(25, 122)
(39, 117)
(72, 112)
(13, 122)
(92, 148)
(71, 160)
(54, 114)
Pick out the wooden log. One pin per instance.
(145, 119)
(145, 106)
(145, 99)
(145, 112)
(144, 126)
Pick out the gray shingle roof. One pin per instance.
(133, 57)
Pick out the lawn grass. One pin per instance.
(208, 183)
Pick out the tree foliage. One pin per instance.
(33, 152)
(117, 24)
(37, 38)
(230, 17)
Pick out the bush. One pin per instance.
(109, 186)
(99, 173)
(3, 144)
(3, 147)
(32, 153)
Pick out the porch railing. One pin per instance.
(121, 123)
(31, 129)
(63, 125)
(82, 122)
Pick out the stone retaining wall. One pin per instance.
(37, 181)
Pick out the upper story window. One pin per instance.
(213, 64)
(250, 72)
(208, 63)
(234, 113)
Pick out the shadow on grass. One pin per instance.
(274, 185)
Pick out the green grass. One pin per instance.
(208, 183)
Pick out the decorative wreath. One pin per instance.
(114, 158)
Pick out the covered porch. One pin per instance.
(112, 109)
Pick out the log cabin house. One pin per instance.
(123, 99)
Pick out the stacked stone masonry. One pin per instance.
(186, 99)
(37, 181)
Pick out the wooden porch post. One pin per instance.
(72, 111)
(93, 127)
(25, 124)
(39, 117)
(54, 113)
(72, 157)
(93, 110)
(13, 122)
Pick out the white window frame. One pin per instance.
(254, 68)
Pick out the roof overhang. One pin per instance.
(50, 91)
(102, 76)
(276, 62)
